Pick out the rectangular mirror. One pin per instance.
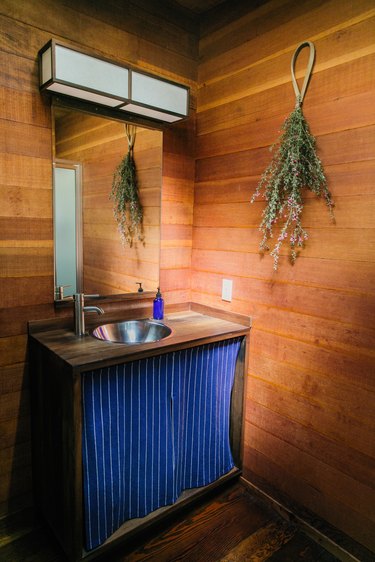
(87, 150)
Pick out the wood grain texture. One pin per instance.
(310, 403)
(281, 29)
(177, 211)
(115, 43)
(231, 525)
(57, 359)
(133, 36)
(189, 328)
(313, 327)
(354, 77)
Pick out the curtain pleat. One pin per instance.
(151, 429)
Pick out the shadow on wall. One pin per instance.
(17, 491)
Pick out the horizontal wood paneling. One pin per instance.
(305, 411)
(338, 115)
(115, 43)
(356, 245)
(347, 490)
(13, 350)
(12, 378)
(309, 410)
(28, 302)
(177, 211)
(354, 145)
(161, 26)
(340, 329)
(310, 395)
(24, 107)
(15, 138)
(358, 207)
(281, 473)
(25, 171)
(321, 21)
(159, 39)
(336, 454)
(351, 178)
(346, 79)
(328, 274)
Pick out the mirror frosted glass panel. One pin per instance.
(65, 229)
(98, 145)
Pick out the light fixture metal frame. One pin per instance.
(123, 101)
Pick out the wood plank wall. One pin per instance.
(98, 145)
(177, 212)
(310, 404)
(147, 35)
(310, 397)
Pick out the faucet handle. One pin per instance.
(79, 312)
(82, 296)
(59, 292)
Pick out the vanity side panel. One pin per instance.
(56, 447)
(237, 403)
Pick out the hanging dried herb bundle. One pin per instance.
(127, 208)
(295, 165)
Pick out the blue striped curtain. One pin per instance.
(152, 428)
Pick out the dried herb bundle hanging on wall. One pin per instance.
(295, 165)
(127, 208)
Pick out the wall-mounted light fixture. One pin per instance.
(71, 72)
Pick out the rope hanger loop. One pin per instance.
(130, 132)
(301, 94)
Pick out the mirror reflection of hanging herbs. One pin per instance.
(127, 208)
(295, 165)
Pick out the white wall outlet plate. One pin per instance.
(226, 292)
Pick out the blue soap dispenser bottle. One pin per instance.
(158, 308)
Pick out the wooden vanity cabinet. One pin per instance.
(56, 389)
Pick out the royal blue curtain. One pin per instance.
(151, 429)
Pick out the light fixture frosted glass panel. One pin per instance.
(83, 94)
(158, 93)
(90, 72)
(46, 66)
(64, 208)
(153, 113)
(72, 73)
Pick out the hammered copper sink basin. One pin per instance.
(132, 332)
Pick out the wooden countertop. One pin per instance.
(189, 328)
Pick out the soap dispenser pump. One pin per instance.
(158, 307)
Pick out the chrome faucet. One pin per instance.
(79, 312)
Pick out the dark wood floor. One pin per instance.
(231, 526)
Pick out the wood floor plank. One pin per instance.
(262, 544)
(36, 546)
(209, 532)
(24, 538)
(302, 548)
(233, 525)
